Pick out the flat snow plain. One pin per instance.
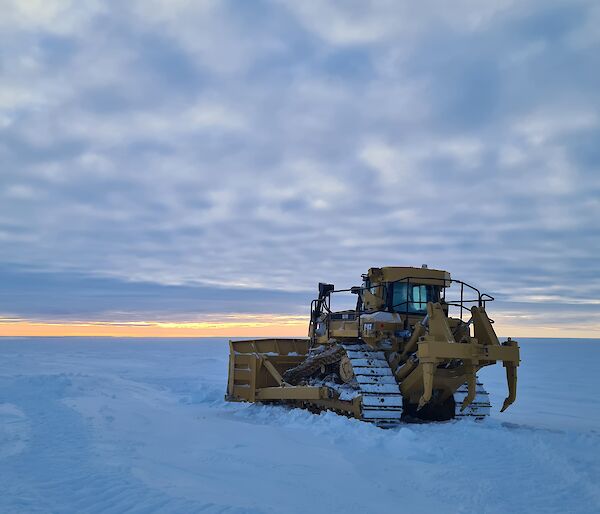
(114, 425)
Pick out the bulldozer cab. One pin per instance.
(404, 291)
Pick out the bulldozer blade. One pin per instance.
(511, 379)
(472, 385)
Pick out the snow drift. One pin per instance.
(108, 425)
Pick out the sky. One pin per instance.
(173, 167)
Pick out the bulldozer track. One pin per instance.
(381, 402)
(374, 382)
(313, 363)
(380, 397)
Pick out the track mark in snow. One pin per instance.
(58, 472)
(14, 430)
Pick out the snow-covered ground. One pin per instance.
(108, 425)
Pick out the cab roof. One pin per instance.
(414, 275)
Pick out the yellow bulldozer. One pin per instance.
(409, 351)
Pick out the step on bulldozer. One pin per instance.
(409, 351)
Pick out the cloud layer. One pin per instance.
(270, 144)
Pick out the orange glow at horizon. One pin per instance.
(258, 326)
(243, 326)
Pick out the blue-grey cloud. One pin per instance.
(276, 144)
(61, 296)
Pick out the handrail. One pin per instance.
(480, 300)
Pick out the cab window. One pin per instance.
(413, 298)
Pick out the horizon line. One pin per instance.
(517, 337)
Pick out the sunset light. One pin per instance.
(245, 326)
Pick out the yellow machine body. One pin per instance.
(398, 356)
